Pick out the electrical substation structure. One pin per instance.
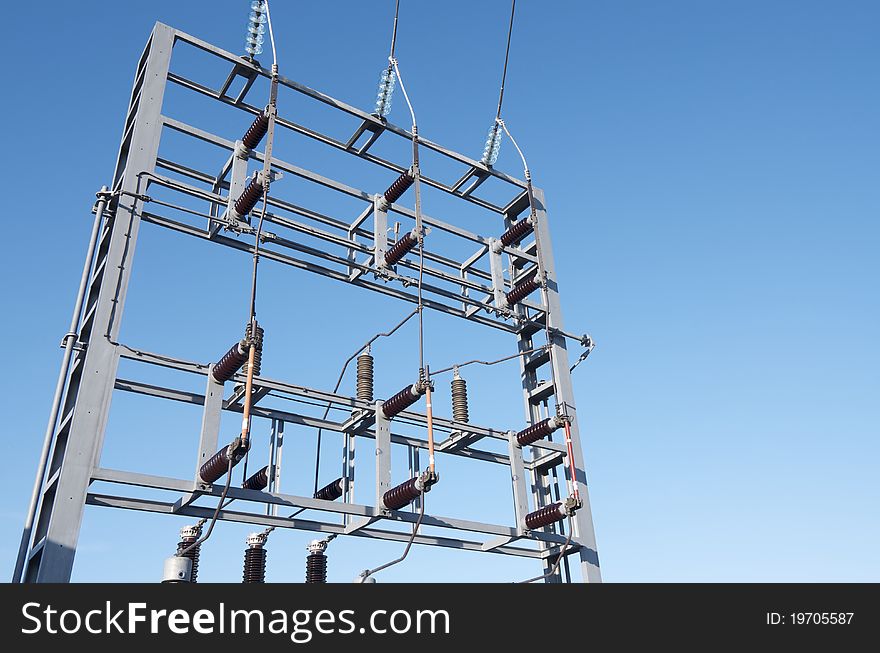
(496, 287)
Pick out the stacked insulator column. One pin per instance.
(332, 491)
(316, 562)
(258, 481)
(403, 399)
(493, 145)
(517, 232)
(399, 187)
(539, 430)
(365, 376)
(255, 559)
(256, 28)
(188, 535)
(459, 398)
(249, 197)
(258, 348)
(256, 131)
(386, 92)
(522, 290)
(217, 464)
(401, 248)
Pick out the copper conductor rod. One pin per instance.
(246, 412)
(430, 418)
(570, 449)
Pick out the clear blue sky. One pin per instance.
(711, 171)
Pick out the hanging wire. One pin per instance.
(339, 382)
(252, 309)
(418, 211)
(329, 406)
(559, 556)
(506, 58)
(271, 34)
(493, 139)
(482, 362)
(267, 162)
(369, 572)
(533, 215)
(220, 506)
(267, 166)
(417, 188)
(394, 29)
(527, 173)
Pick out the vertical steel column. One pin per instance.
(79, 439)
(540, 481)
(380, 231)
(348, 451)
(497, 269)
(383, 455)
(542, 492)
(210, 431)
(414, 471)
(583, 520)
(238, 178)
(68, 342)
(518, 481)
(275, 462)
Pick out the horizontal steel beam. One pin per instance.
(148, 505)
(292, 501)
(299, 419)
(365, 117)
(350, 403)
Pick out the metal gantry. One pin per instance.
(351, 250)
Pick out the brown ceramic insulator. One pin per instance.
(401, 248)
(231, 362)
(316, 568)
(192, 554)
(545, 516)
(258, 481)
(402, 495)
(537, 431)
(254, 565)
(258, 349)
(256, 131)
(522, 290)
(459, 400)
(219, 463)
(516, 232)
(332, 491)
(249, 198)
(402, 400)
(399, 187)
(365, 377)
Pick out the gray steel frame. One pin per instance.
(460, 288)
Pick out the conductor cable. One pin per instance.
(266, 181)
(542, 271)
(220, 506)
(562, 553)
(394, 29)
(482, 362)
(364, 575)
(384, 334)
(506, 58)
